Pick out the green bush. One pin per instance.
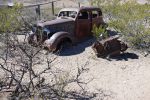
(129, 18)
(99, 31)
(9, 19)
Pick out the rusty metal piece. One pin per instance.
(109, 47)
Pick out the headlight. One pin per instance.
(47, 31)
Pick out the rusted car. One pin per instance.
(71, 25)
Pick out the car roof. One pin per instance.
(81, 8)
(89, 8)
(70, 9)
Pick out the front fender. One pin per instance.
(56, 39)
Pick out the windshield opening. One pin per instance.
(68, 14)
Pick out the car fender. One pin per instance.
(56, 38)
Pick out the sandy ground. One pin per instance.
(126, 77)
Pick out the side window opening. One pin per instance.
(83, 15)
(95, 14)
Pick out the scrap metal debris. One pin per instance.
(110, 46)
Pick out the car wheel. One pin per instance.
(63, 45)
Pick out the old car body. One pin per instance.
(71, 25)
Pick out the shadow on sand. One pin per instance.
(77, 49)
(112, 33)
(124, 56)
(80, 47)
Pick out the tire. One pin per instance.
(62, 45)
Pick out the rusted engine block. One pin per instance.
(109, 47)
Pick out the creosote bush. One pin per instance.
(131, 19)
(9, 19)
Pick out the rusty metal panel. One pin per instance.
(65, 27)
(83, 28)
(110, 46)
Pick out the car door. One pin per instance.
(83, 25)
(97, 18)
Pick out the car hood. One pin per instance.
(53, 22)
